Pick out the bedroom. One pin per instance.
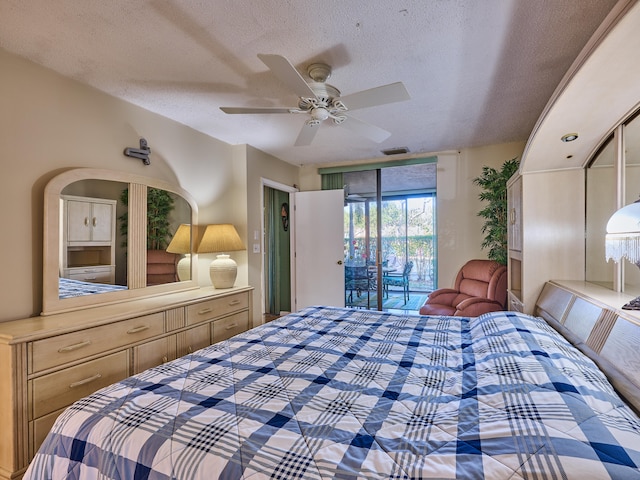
(50, 123)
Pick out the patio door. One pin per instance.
(390, 227)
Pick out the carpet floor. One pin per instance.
(393, 302)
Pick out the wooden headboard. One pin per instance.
(606, 336)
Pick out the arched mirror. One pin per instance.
(612, 173)
(111, 236)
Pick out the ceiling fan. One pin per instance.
(322, 101)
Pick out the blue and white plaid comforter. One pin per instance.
(335, 393)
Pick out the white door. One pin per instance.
(319, 248)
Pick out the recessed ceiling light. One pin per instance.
(569, 137)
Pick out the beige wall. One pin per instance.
(49, 123)
(261, 166)
(459, 227)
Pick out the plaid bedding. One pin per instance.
(68, 288)
(336, 393)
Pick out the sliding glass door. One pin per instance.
(390, 255)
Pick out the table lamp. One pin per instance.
(221, 238)
(623, 240)
(181, 245)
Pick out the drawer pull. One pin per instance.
(139, 329)
(165, 359)
(76, 346)
(234, 302)
(79, 383)
(204, 310)
(229, 327)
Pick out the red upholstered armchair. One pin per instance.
(481, 287)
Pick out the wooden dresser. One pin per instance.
(48, 362)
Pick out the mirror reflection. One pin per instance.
(94, 237)
(168, 237)
(92, 259)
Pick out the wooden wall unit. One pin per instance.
(47, 363)
(551, 233)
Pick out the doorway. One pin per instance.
(277, 253)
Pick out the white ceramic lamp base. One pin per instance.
(184, 268)
(223, 271)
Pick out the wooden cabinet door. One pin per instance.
(78, 221)
(101, 222)
(194, 339)
(514, 205)
(154, 353)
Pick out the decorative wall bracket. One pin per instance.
(142, 153)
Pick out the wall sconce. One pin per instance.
(141, 153)
(623, 240)
(221, 238)
(181, 245)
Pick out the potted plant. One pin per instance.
(493, 183)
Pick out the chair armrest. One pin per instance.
(474, 306)
(443, 296)
(392, 274)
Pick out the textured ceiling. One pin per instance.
(478, 72)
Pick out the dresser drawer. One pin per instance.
(55, 351)
(96, 274)
(60, 389)
(211, 309)
(229, 326)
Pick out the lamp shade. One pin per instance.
(181, 244)
(623, 234)
(181, 241)
(221, 238)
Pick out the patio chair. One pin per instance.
(391, 279)
(358, 280)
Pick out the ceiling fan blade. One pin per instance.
(254, 110)
(366, 130)
(394, 92)
(287, 73)
(306, 135)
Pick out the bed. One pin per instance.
(355, 394)
(68, 288)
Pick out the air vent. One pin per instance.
(395, 151)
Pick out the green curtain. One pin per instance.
(332, 181)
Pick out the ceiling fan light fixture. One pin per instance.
(319, 72)
(320, 114)
(321, 101)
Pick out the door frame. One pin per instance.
(265, 182)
